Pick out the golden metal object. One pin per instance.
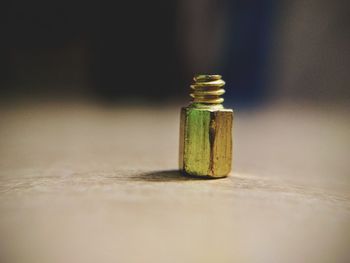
(206, 130)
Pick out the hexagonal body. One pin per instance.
(206, 141)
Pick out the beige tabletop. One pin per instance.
(81, 182)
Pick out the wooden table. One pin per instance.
(86, 183)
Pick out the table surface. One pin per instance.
(81, 182)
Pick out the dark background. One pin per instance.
(148, 51)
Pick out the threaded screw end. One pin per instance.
(207, 89)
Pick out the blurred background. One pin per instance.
(148, 51)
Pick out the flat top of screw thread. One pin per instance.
(203, 77)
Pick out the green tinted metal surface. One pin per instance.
(197, 145)
(206, 141)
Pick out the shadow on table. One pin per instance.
(166, 176)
